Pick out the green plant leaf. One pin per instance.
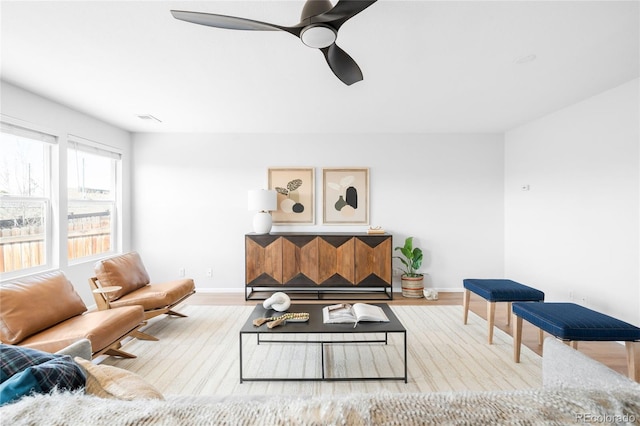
(417, 258)
(408, 243)
(412, 257)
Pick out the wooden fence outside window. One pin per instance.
(24, 247)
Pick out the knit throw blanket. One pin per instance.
(533, 407)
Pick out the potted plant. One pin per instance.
(412, 281)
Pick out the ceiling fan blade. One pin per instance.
(230, 22)
(342, 11)
(342, 65)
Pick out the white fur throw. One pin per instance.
(473, 408)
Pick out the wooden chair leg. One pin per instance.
(540, 336)
(633, 360)
(118, 352)
(517, 337)
(177, 314)
(465, 305)
(509, 313)
(491, 316)
(142, 336)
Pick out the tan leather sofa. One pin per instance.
(45, 312)
(123, 281)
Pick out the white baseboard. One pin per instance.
(241, 290)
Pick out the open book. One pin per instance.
(346, 313)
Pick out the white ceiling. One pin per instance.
(428, 66)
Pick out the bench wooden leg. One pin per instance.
(465, 305)
(633, 360)
(491, 316)
(517, 337)
(540, 336)
(509, 313)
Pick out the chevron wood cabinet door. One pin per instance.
(300, 259)
(373, 260)
(336, 260)
(318, 262)
(263, 263)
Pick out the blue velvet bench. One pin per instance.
(497, 290)
(572, 323)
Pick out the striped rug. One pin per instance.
(198, 355)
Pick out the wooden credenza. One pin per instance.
(318, 264)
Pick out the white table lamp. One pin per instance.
(262, 201)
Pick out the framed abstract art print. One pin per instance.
(295, 190)
(345, 196)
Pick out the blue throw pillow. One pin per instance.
(24, 371)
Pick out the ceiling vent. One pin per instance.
(148, 117)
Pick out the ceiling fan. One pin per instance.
(318, 28)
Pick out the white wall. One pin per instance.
(190, 198)
(575, 233)
(30, 108)
(576, 230)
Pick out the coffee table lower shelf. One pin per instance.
(316, 326)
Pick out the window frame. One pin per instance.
(50, 141)
(79, 143)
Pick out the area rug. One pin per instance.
(198, 355)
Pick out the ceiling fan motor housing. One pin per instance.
(318, 35)
(314, 7)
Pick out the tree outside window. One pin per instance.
(24, 199)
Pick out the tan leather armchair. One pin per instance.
(123, 281)
(45, 312)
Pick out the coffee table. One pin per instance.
(316, 326)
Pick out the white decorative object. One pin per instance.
(278, 302)
(263, 201)
(430, 294)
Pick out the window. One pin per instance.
(91, 188)
(25, 203)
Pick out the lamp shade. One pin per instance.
(262, 200)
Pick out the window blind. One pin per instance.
(27, 133)
(85, 145)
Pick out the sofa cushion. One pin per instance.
(24, 371)
(126, 271)
(35, 303)
(157, 296)
(502, 290)
(102, 328)
(81, 348)
(106, 381)
(570, 321)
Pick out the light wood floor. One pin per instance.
(611, 354)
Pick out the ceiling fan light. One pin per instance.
(318, 36)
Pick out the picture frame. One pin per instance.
(295, 188)
(345, 196)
